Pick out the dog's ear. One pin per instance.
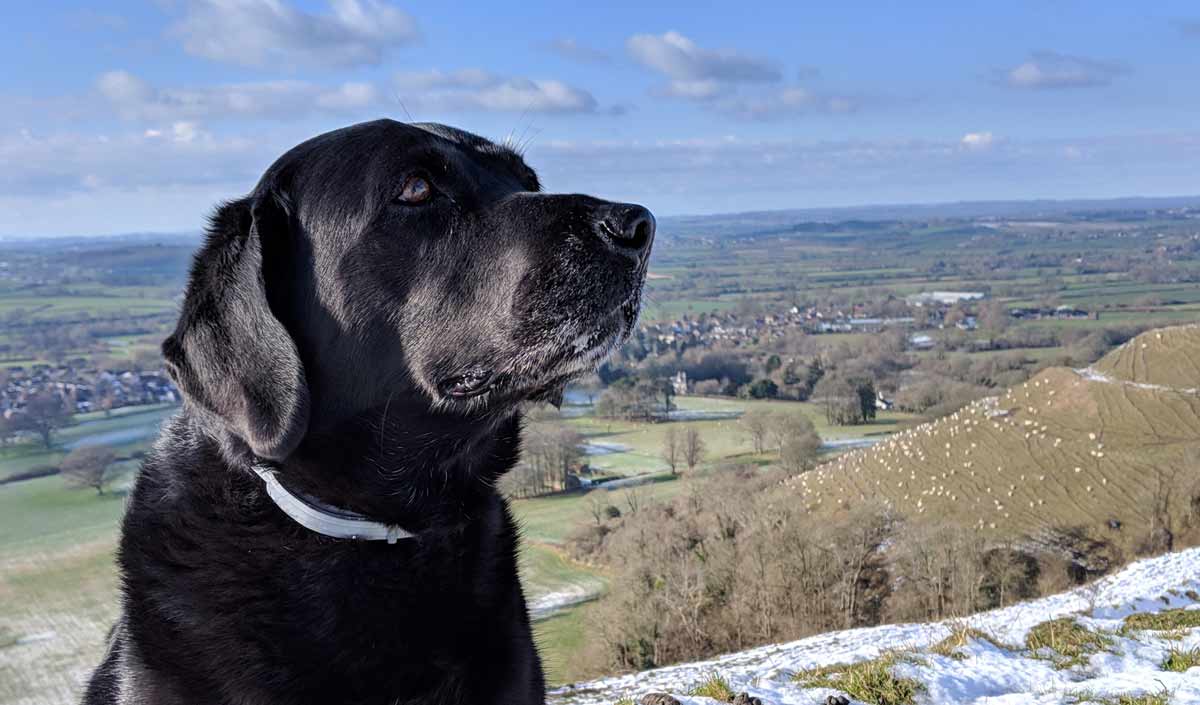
(229, 353)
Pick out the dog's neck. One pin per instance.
(403, 464)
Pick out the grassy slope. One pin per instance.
(1168, 357)
(57, 586)
(1060, 449)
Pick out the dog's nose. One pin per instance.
(625, 227)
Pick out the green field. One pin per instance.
(126, 430)
(724, 439)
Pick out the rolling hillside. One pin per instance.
(1169, 357)
(1096, 448)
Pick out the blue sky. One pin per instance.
(140, 115)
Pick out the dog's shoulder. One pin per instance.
(122, 679)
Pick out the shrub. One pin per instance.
(871, 681)
(961, 635)
(1166, 620)
(1162, 697)
(1071, 642)
(1180, 660)
(714, 687)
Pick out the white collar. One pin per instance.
(323, 519)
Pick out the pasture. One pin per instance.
(1104, 449)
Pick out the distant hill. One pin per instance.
(1098, 448)
(1168, 357)
(739, 224)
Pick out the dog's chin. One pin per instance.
(586, 351)
(581, 349)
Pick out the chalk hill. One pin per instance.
(1091, 447)
(1169, 357)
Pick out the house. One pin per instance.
(920, 341)
(943, 298)
(679, 383)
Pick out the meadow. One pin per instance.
(105, 300)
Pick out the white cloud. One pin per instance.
(348, 97)
(436, 78)
(787, 101)
(478, 90)
(977, 140)
(270, 33)
(694, 90)
(179, 153)
(680, 59)
(728, 81)
(676, 175)
(134, 99)
(572, 50)
(1048, 70)
(166, 176)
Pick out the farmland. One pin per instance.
(108, 303)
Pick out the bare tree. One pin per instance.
(693, 448)
(757, 423)
(88, 466)
(672, 448)
(786, 426)
(634, 498)
(799, 453)
(44, 415)
(596, 507)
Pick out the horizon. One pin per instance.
(141, 117)
(1143, 202)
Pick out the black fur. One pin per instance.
(377, 353)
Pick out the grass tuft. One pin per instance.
(1071, 642)
(1180, 660)
(714, 687)
(961, 635)
(1162, 697)
(1161, 621)
(871, 681)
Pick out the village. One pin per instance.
(927, 311)
(83, 390)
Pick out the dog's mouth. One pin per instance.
(573, 358)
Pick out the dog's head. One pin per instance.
(411, 264)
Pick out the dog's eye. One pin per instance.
(415, 190)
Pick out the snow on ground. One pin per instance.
(603, 448)
(1093, 375)
(990, 675)
(551, 603)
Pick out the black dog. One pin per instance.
(362, 330)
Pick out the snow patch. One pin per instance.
(989, 676)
